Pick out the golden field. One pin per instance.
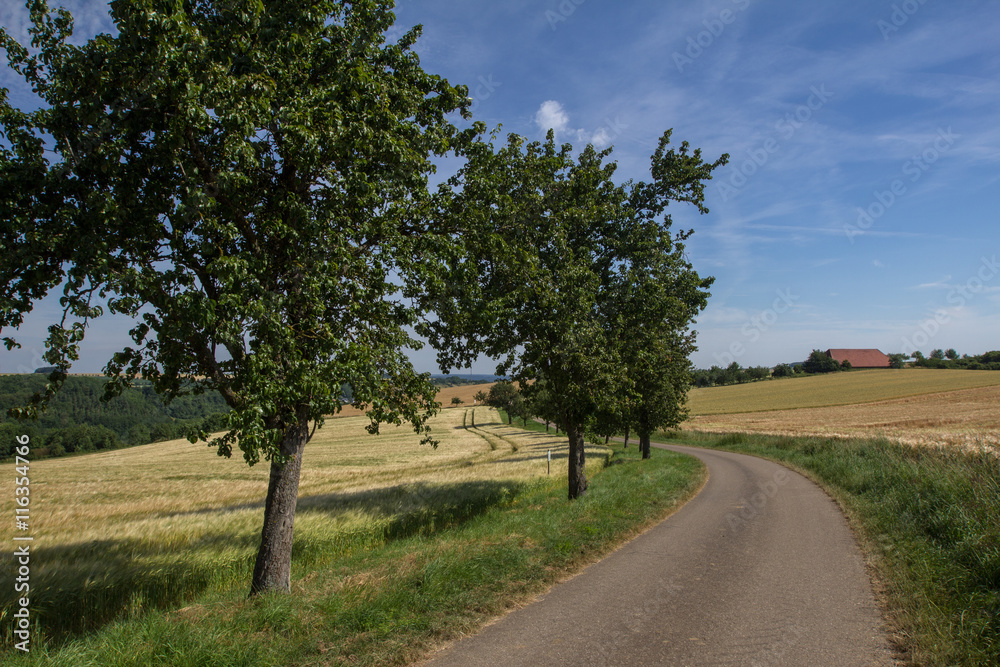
(466, 392)
(176, 494)
(918, 406)
(816, 391)
(152, 526)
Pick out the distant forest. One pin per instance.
(78, 421)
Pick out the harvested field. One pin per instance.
(463, 391)
(834, 389)
(176, 492)
(967, 417)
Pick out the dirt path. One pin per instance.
(759, 569)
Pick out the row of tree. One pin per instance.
(249, 182)
(716, 376)
(988, 361)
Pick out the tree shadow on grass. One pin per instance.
(79, 588)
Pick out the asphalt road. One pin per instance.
(760, 568)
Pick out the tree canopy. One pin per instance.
(248, 181)
(552, 246)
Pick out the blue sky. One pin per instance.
(861, 203)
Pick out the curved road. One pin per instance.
(760, 568)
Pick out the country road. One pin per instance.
(760, 568)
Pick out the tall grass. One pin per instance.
(928, 518)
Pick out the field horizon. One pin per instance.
(914, 406)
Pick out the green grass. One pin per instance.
(816, 391)
(929, 520)
(383, 594)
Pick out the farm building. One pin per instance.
(860, 358)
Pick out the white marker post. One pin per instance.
(548, 466)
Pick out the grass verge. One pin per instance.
(929, 521)
(389, 601)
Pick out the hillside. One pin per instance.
(833, 389)
(77, 419)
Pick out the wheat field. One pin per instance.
(177, 491)
(934, 408)
(153, 525)
(832, 389)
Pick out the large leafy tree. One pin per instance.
(504, 396)
(249, 180)
(542, 234)
(550, 237)
(657, 293)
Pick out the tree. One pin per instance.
(249, 181)
(897, 360)
(951, 353)
(456, 401)
(549, 233)
(937, 354)
(504, 396)
(783, 371)
(654, 298)
(820, 362)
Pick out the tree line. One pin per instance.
(988, 361)
(716, 376)
(250, 184)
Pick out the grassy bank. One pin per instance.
(398, 548)
(929, 519)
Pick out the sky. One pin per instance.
(861, 203)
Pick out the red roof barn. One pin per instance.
(861, 358)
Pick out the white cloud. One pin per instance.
(601, 138)
(551, 115)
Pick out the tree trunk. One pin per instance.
(546, 425)
(577, 473)
(644, 445)
(273, 570)
(626, 437)
(510, 420)
(607, 439)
